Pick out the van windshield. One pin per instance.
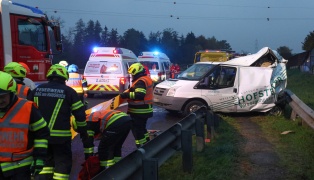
(195, 72)
(103, 67)
(151, 65)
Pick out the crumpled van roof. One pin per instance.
(263, 58)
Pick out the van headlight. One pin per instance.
(172, 91)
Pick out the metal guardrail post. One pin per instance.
(187, 156)
(199, 128)
(150, 169)
(301, 109)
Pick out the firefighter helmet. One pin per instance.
(15, 69)
(7, 83)
(25, 66)
(135, 68)
(57, 70)
(63, 63)
(73, 68)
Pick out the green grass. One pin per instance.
(220, 158)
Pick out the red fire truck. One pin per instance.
(24, 37)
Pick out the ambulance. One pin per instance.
(158, 64)
(106, 70)
(249, 83)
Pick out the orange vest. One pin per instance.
(14, 128)
(148, 99)
(22, 91)
(75, 82)
(104, 117)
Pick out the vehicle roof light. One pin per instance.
(156, 53)
(95, 49)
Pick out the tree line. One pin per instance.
(80, 40)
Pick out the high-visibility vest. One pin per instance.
(148, 99)
(22, 91)
(106, 117)
(14, 127)
(75, 82)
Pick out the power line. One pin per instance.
(69, 11)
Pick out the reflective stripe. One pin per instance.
(7, 166)
(55, 114)
(110, 117)
(60, 133)
(107, 163)
(22, 91)
(61, 176)
(47, 170)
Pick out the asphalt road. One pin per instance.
(162, 120)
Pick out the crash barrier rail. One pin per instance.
(299, 108)
(143, 163)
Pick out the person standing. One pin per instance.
(28, 82)
(18, 72)
(77, 82)
(140, 98)
(57, 102)
(23, 131)
(112, 127)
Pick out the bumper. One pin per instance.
(167, 102)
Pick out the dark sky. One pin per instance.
(247, 25)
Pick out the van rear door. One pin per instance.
(103, 76)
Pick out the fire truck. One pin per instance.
(24, 37)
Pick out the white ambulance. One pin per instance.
(158, 64)
(250, 83)
(106, 70)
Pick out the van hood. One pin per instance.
(176, 83)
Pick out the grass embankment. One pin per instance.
(220, 159)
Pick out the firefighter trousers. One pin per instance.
(139, 131)
(58, 163)
(112, 139)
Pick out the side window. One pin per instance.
(166, 65)
(222, 77)
(32, 34)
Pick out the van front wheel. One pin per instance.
(192, 106)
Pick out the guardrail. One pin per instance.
(143, 163)
(301, 109)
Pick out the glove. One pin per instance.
(124, 95)
(37, 166)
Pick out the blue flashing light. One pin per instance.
(33, 9)
(95, 49)
(156, 53)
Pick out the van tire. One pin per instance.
(90, 95)
(192, 106)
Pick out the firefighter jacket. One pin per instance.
(97, 122)
(140, 97)
(57, 102)
(22, 90)
(76, 82)
(24, 136)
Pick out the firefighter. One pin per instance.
(23, 131)
(77, 82)
(112, 127)
(139, 97)
(28, 82)
(18, 72)
(57, 102)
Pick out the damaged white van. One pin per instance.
(249, 83)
